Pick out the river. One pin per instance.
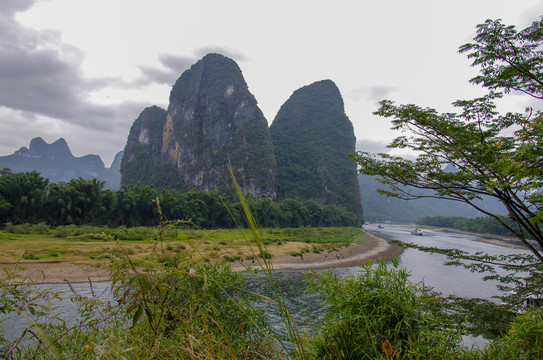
(430, 268)
(422, 266)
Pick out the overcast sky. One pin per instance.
(84, 69)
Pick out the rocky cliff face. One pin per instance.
(312, 137)
(212, 120)
(141, 159)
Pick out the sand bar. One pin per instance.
(374, 248)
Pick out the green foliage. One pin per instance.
(25, 194)
(379, 313)
(178, 302)
(29, 256)
(509, 59)
(498, 156)
(312, 136)
(480, 225)
(166, 307)
(479, 317)
(30, 199)
(171, 307)
(524, 340)
(265, 255)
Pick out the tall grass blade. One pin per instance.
(290, 325)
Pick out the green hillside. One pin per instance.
(312, 137)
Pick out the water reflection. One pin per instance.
(430, 268)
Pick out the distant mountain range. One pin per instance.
(213, 120)
(380, 208)
(56, 162)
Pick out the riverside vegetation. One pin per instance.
(27, 197)
(96, 245)
(173, 305)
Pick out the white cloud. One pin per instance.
(373, 94)
(90, 66)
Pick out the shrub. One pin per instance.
(231, 258)
(180, 248)
(378, 313)
(29, 256)
(524, 340)
(18, 229)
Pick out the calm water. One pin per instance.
(449, 280)
(423, 267)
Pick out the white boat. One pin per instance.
(416, 232)
(533, 301)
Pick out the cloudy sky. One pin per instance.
(84, 69)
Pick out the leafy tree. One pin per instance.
(28, 197)
(495, 155)
(295, 212)
(509, 60)
(23, 195)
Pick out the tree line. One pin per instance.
(481, 225)
(27, 197)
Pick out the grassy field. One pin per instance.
(91, 244)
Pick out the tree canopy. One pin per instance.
(494, 155)
(29, 198)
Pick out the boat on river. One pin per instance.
(416, 232)
(533, 301)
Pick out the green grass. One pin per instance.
(95, 243)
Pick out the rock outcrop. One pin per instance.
(141, 159)
(312, 137)
(212, 121)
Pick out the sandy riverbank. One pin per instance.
(374, 248)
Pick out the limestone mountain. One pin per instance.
(112, 176)
(212, 120)
(141, 159)
(56, 162)
(312, 137)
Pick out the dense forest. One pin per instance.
(27, 197)
(481, 225)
